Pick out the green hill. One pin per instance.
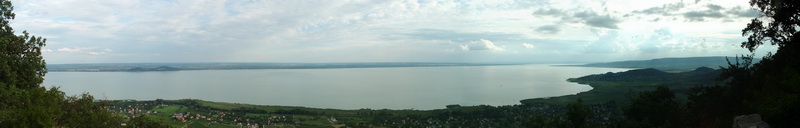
(614, 87)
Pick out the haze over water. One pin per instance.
(341, 88)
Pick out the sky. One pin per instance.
(322, 31)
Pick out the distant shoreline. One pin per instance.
(148, 67)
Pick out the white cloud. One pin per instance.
(82, 50)
(481, 45)
(397, 30)
(464, 47)
(69, 49)
(527, 45)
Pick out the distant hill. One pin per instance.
(162, 68)
(669, 64)
(617, 87)
(701, 74)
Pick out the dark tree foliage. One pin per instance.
(83, 112)
(657, 108)
(35, 107)
(22, 63)
(540, 121)
(24, 103)
(770, 87)
(577, 113)
(782, 19)
(706, 104)
(145, 122)
(775, 81)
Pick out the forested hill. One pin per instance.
(670, 64)
(697, 75)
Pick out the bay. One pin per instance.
(420, 88)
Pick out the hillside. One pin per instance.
(701, 74)
(613, 87)
(669, 64)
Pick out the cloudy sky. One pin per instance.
(495, 31)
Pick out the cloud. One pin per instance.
(713, 11)
(742, 12)
(606, 43)
(587, 17)
(70, 49)
(714, 7)
(385, 30)
(548, 29)
(696, 12)
(481, 45)
(603, 21)
(450, 35)
(666, 9)
(527, 45)
(82, 50)
(549, 12)
(100, 52)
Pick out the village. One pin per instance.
(180, 113)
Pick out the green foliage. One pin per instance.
(542, 122)
(770, 87)
(706, 106)
(22, 63)
(145, 122)
(36, 107)
(577, 114)
(782, 20)
(654, 108)
(83, 112)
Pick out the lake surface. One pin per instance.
(343, 88)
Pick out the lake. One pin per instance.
(421, 88)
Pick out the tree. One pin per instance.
(656, 108)
(577, 113)
(770, 87)
(540, 121)
(83, 112)
(22, 68)
(22, 63)
(145, 122)
(36, 107)
(783, 17)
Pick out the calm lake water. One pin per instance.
(344, 88)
